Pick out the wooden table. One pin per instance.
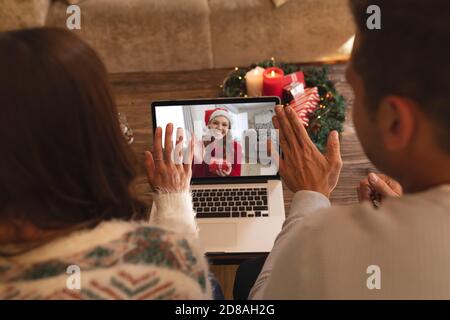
(135, 91)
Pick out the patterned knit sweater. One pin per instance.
(116, 260)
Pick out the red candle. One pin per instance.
(273, 80)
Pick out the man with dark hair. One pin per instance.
(402, 117)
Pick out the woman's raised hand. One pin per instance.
(167, 174)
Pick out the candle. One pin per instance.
(273, 81)
(254, 82)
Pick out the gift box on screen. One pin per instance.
(217, 164)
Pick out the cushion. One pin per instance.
(144, 35)
(247, 31)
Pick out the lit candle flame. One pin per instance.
(272, 74)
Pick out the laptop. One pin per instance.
(236, 189)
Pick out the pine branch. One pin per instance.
(330, 113)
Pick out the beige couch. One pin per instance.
(169, 35)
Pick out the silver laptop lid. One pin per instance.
(231, 136)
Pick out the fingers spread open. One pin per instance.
(282, 168)
(178, 155)
(275, 156)
(298, 128)
(333, 153)
(149, 165)
(168, 145)
(189, 156)
(157, 148)
(281, 138)
(285, 126)
(275, 122)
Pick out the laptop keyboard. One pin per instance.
(230, 203)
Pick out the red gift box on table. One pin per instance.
(306, 104)
(294, 77)
(293, 91)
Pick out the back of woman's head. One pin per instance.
(63, 159)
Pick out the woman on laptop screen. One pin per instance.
(221, 156)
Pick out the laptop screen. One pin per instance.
(231, 135)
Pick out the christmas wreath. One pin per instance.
(319, 105)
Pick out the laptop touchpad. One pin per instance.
(214, 235)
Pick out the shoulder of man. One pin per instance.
(337, 218)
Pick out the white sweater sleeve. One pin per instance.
(303, 202)
(174, 211)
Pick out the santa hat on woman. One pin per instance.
(213, 113)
